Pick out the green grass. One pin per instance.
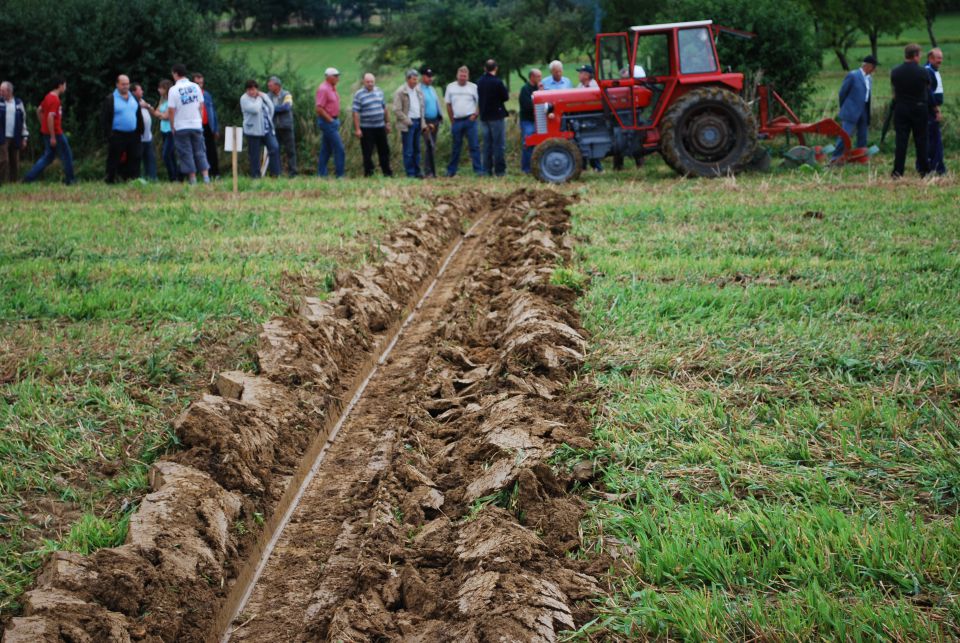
(116, 305)
(308, 56)
(779, 432)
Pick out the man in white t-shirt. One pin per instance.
(186, 123)
(463, 108)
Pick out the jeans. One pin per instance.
(856, 128)
(375, 137)
(49, 153)
(411, 149)
(331, 145)
(935, 148)
(464, 127)
(526, 129)
(430, 147)
(169, 154)
(254, 146)
(123, 156)
(494, 147)
(191, 151)
(288, 143)
(149, 158)
(910, 119)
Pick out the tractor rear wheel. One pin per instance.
(708, 132)
(556, 160)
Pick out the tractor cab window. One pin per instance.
(696, 52)
(614, 55)
(653, 57)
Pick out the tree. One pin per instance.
(890, 17)
(835, 22)
(784, 48)
(931, 9)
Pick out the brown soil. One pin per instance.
(433, 515)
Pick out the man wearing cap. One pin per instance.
(492, 95)
(283, 122)
(328, 120)
(528, 123)
(556, 79)
(586, 78)
(935, 117)
(432, 117)
(855, 104)
(463, 108)
(371, 124)
(911, 87)
(408, 103)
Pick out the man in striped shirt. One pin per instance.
(371, 124)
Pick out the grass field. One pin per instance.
(778, 444)
(309, 56)
(116, 305)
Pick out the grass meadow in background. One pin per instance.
(778, 442)
(116, 306)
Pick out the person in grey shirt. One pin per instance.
(258, 130)
(283, 122)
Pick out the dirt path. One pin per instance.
(399, 535)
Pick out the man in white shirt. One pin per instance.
(186, 123)
(463, 108)
(408, 111)
(13, 133)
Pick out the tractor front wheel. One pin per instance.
(708, 132)
(556, 160)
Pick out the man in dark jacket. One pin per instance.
(283, 122)
(211, 126)
(13, 133)
(122, 123)
(910, 89)
(935, 117)
(493, 95)
(528, 123)
(855, 104)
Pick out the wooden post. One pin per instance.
(236, 144)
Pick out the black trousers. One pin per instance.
(375, 137)
(210, 143)
(910, 119)
(123, 156)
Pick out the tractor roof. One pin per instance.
(672, 25)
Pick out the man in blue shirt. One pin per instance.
(122, 124)
(556, 79)
(433, 116)
(855, 104)
(371, 124)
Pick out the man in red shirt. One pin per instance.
(328, 120)
(54, 140)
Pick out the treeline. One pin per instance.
(264, 17)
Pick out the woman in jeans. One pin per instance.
(167, 152)
(258, 129)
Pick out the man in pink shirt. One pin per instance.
(328, 120)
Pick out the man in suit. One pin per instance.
(911, 89)
(855, 104)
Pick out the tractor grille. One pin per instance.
(540, 117)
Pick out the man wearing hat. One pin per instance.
(283, 122)
(432, 117)
(408, 103)
(586, 77)
(855, 104)
(328, 120)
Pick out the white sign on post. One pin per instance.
(233, 134)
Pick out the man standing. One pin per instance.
(257, 110)
(586, 77)
(528, 123)
(432, 117)
(211, 126)
(855, 104)
(13, 133)
(328, 120)
(911, 85)
(408, 103)
(463, 107)
(122, 123)
(492, 94)
(283, 122)
(147, 154)
(557, 80)
(55, 142)
(935, 138)
(371, 124)
(184, 105)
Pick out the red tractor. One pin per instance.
(661, 89)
